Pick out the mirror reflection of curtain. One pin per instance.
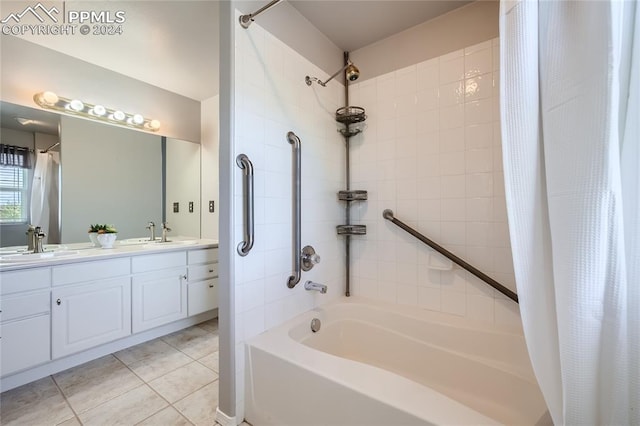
(45, 198)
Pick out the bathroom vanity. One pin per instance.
(68, 307)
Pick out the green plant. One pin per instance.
(103, 229)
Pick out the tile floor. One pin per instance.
(172, 380)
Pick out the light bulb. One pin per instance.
(76, 105)
(137, 119)
(154, 125)
(118, 116)
(98, 110)
(48, 98)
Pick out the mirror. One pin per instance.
(108, 174)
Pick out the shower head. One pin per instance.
(351, 72)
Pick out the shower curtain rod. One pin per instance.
(246, 20)
(44, 151)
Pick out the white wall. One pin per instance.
(432, 154)
(28, 68)
(271, 98)
(209, 166)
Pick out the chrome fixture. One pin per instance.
(315, 325)
(388, 215)
(309, 258)
(247, 185)
(165, 229)
(39, 236)
(311, 286)
(303, 259)
(246, 20)
(49, 148)
(352, 73)
(97, 112)
(152, 228)
(31, 238)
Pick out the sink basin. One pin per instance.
(22, 249)
(31, 257)
(135, 241)
(158, 243)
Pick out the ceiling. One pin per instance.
(165, 39)
(37, 120)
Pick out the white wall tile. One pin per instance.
(478, 62)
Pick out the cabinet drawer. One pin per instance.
(25, 343)
(203, 272)
(31, 279)
(152, 262)
(25, 306)
(203, 256)
(90, 271)
(202, 296)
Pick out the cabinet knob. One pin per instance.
(211, 270)
(58, 302)
(184, 277)
(210, 285)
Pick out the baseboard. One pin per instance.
(225, 420)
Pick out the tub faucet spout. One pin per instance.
(310, 285)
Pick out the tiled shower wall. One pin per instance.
(271, 98)
(431, 152)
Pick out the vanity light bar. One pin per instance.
(50, 100)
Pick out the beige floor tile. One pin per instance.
(89, 385)
(193, 341)
(36, 403)
(210, 325)
(200, 406)
(153, 359)
(211, 361)
(183, 381)
(169, 417)
(71, 422)
(126, 409)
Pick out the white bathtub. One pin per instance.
(371, 364)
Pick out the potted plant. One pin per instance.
(105, 235)
(93, 234)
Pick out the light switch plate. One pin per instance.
(211, 206)
(190, 206)
(176, 207)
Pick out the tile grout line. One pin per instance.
(75, 414)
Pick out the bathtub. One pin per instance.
(371, 364)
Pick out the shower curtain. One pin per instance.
(571, 149)
(45, 198)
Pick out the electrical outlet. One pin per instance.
(190, 206)
(176, 207)
(211, 206)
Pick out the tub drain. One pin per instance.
(315, 325)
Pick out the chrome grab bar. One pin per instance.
(247, 187)
(388, 214)
(296, 214)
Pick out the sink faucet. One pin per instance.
(152, 227)
(165, 229)
(310, 285)
(31, 238)
(38, 235)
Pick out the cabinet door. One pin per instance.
(159, 298)
(24, 343)
(203, 296)
(90, 315)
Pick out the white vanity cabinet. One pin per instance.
(203, 280)
(159, 289)
(90, 305)
(25, 336)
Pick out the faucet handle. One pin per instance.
(164, 226)
(151, 225)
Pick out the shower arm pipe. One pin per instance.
(247, 186)
(310, 80)
(246, 20)
(296, 213)
(388, 215)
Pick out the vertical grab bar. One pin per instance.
(296, 209)
(247, 212)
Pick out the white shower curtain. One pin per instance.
(45, 195)
(571, 146)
